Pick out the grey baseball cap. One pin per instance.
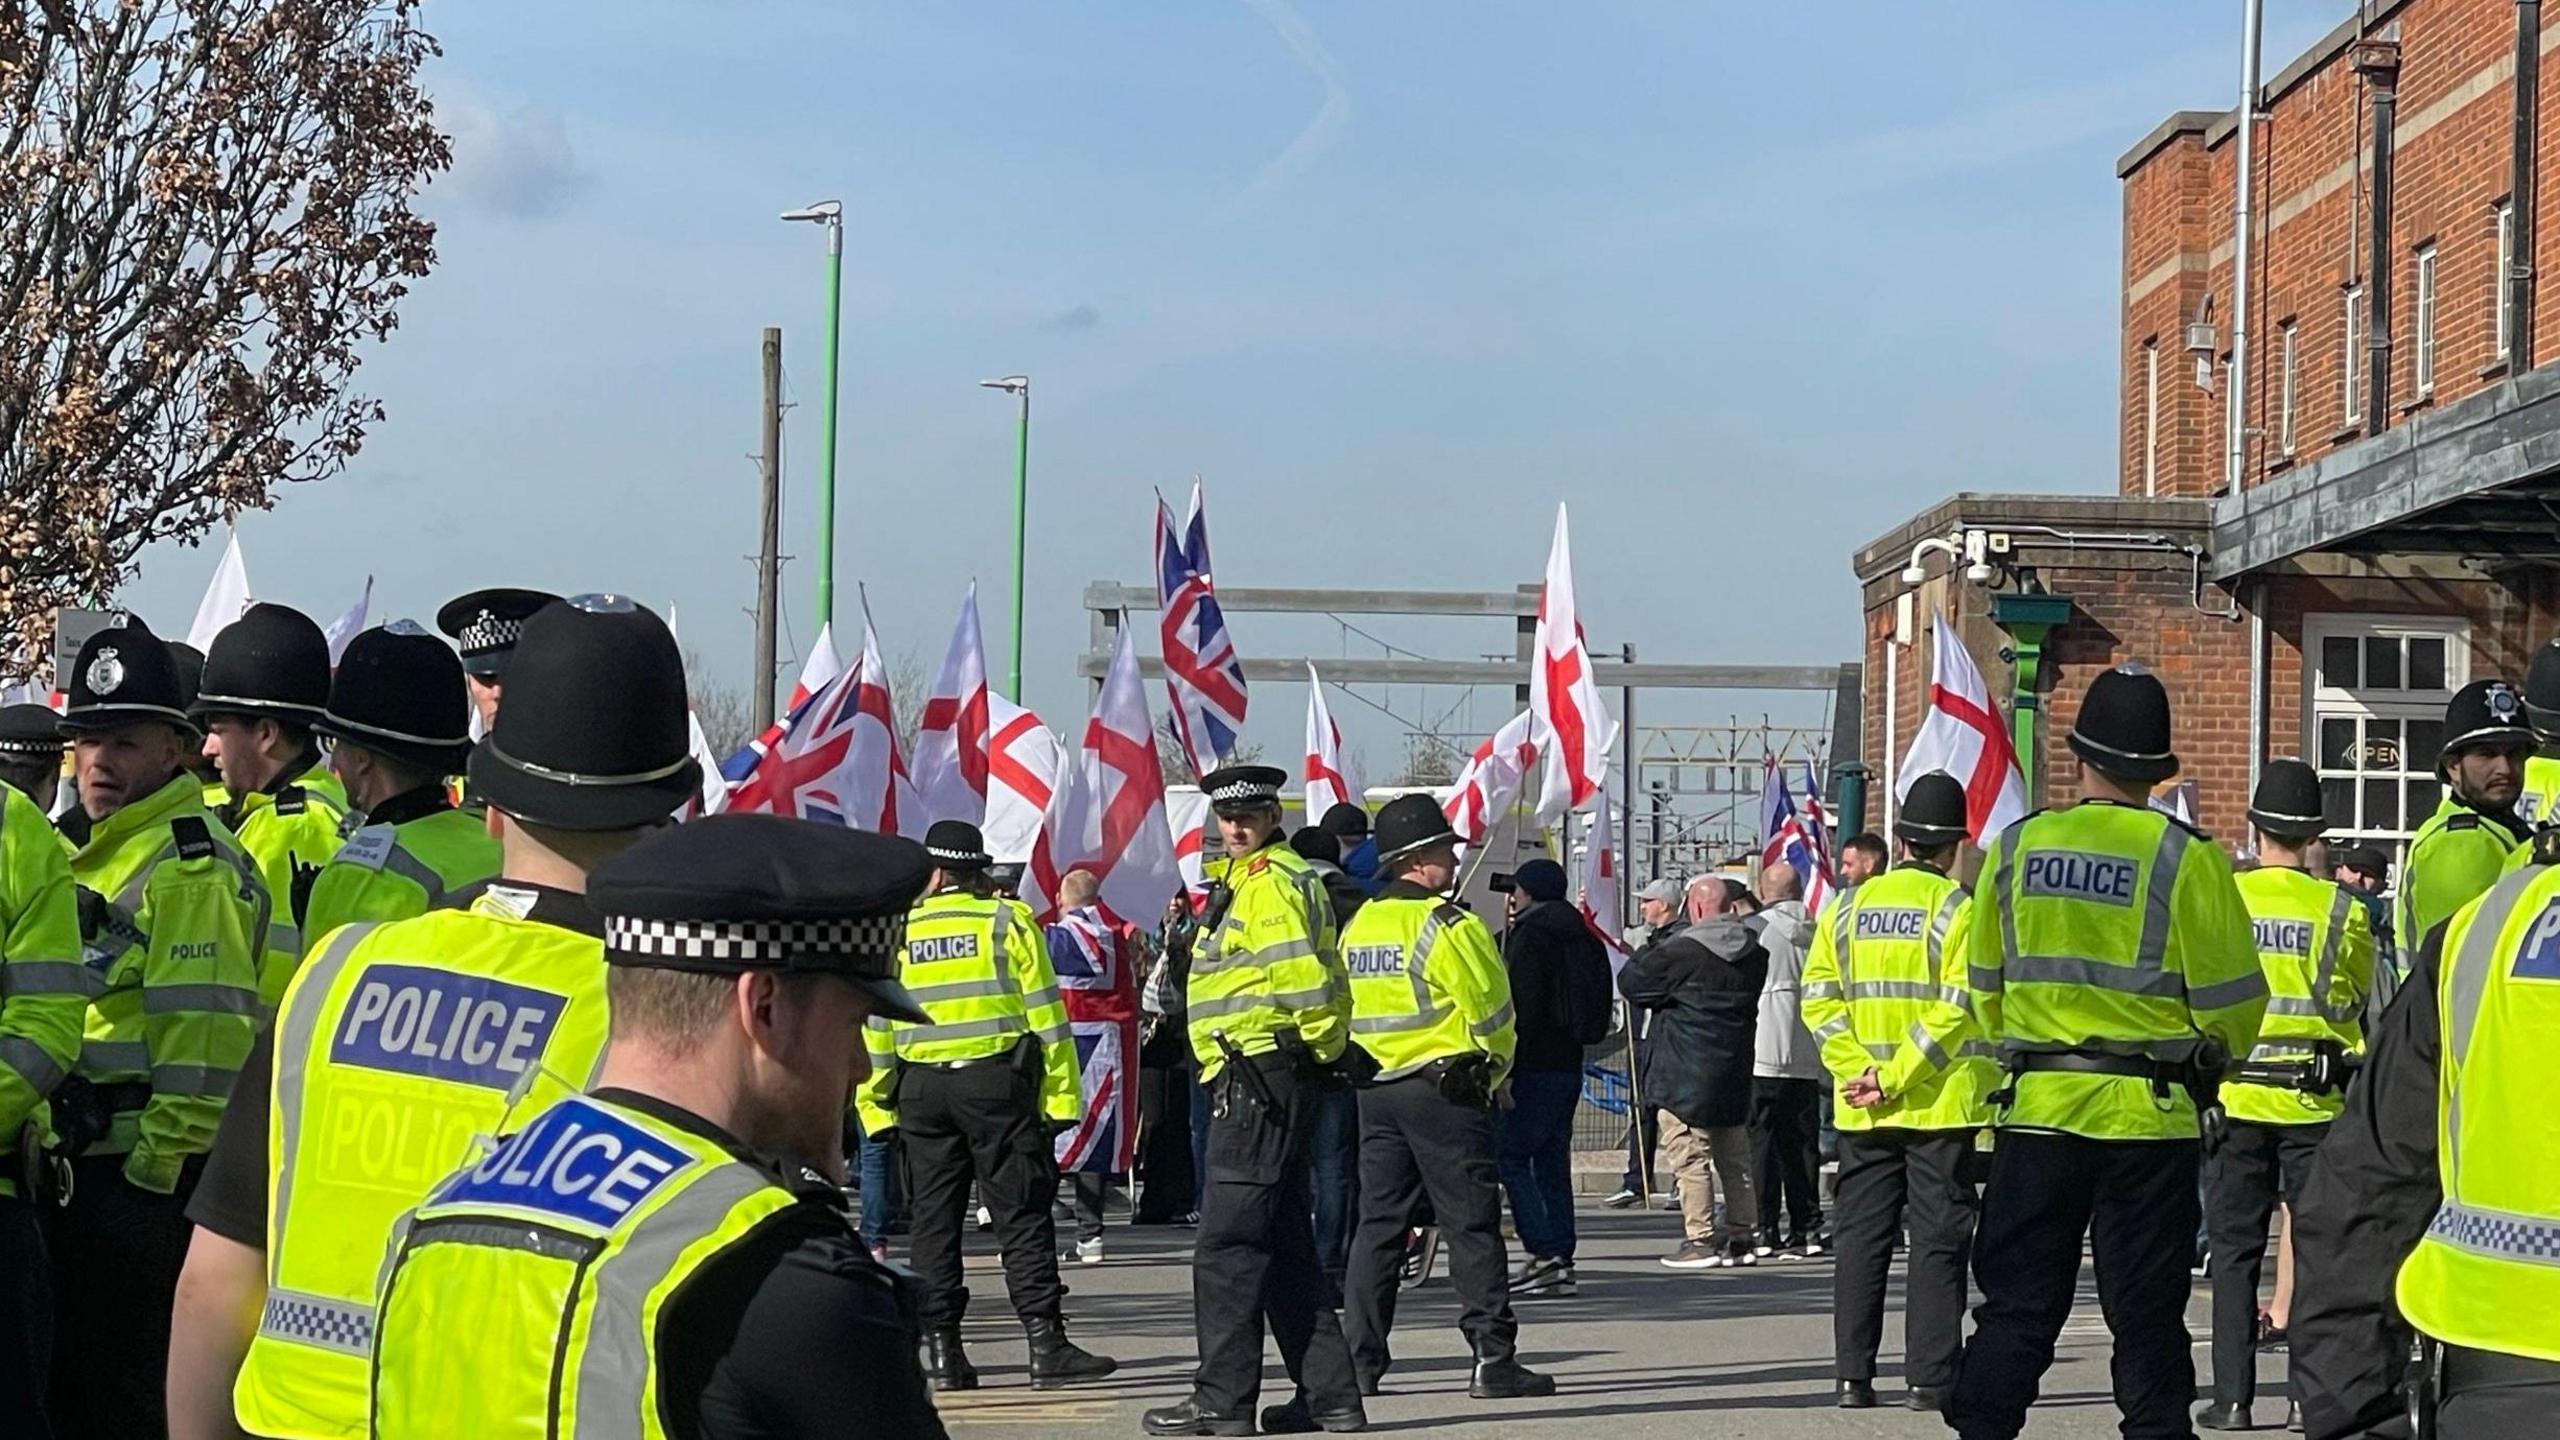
(1665, 891)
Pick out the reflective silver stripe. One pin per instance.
(1058, 1034)
(2498, 1234)
(409, 867)
(296, 1036)
(1266, 956)
(1423, 941)
(300, 1318)
(111, 1059)
(2295, 1005)
(2159, 896)
(2271, 1052)
(2004, 890)
(2098, 974)
(499, 1235)
(965, 1029)
(1492, 1024)
(1239, 1004)
(206, 1082)
(199, 1000)
(1878, 1049)
(1830, 1030)
(2327, 977)
(930, 917)
(1041, 999)
(1928, 1046)
(1957, 996)
(1398, 1024)
(956, 990)
(129, 899)
(613, 1365)
(1822, 990)
(1840, 937)
(2466, 986)
(1978, 1050)
(1939, 924)
(1892, 990)
(2166, 1051)
(1984, 982)
(284, 939)
(30, 1062)
(2238, 991)
(50, 977)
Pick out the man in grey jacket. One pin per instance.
(1787, 1080)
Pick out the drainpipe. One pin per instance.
(2378, 61)
(2521, 189)
(2257, 680)
(2244, 174)
(2027, 620)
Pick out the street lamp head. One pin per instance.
(1011, 384)
(825, 212)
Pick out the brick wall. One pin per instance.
(2451, 166)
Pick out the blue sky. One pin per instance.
(1744, 284)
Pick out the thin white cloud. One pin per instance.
(515, 161)
(1321, 130)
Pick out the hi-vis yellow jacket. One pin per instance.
(290, 832)
(979, 965)
(1272, 964)
(2316, 948)
(44, 988)
(1884, 989)
(1427, 983)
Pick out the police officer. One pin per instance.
(1269, 1008)
(173, 920)
(265, 682)
(190, 663)
(718, 1288)
(973, 1087)
(43, 995)
(2109, 956)
(400, 724)
(2538, 804)
(2463, 848)
(400, 1042)
(1885, 998)
(485, 625)
(2316, 950)
(1431, 1005)
(31, 753)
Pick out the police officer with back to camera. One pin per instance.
(399, 724)
(416, 1035)
(1431, 1006)
(2464, 847)
(173, 921)
(44, 993)
(265, 682)
(974, 1085)
(2110, 961)
(669, 1254)
(485, 626)
(31, 753)
(2437, 1197)
(1885, 998)
(1269, 1012)
(2538, 804)
(2316, 949)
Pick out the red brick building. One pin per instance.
(2396, 527)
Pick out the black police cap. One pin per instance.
(1243, 787)
(1933, 812)
(125, 675)
(2287, 803)
(30, 732)
(730, 893)
(2542, 690)
(2123, 726)
(1411, 823)
(595, 733)
(190, 663)
(486, 624)
(399, 691)
(2484, 715)
(272, 661)
(956, 845)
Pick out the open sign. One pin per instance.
(2380, 753)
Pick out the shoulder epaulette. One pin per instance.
(368, 847)
(2195, 830)
(292, 800)
(2546, 848)
(192, 837)
(2464, 821)
(1259, 864)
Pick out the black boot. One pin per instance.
(1296, 1418)
(945, 1363)
(1057, 1360)
(1856, 1395)
(1193, 1418)
(1932, 1398)
(2225, 1417)
(1507, 1379)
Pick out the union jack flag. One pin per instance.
(1202, 675)
(1098, 978)
(1797, 831)
(798, 766)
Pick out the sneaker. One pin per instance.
(1421, 1248)
(986, 1218)
(1667, 1200)
(1739, 1253)
(1089, 1252)
(1624, 1199)
(1543, 1276)
(1693, 1255)
(880, 1254)
(1764, 1249)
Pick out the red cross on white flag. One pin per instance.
(952, 742)
(1491, 780)
(1328, 775)
(1573, 730)
(1112, 821)
(1966, 737)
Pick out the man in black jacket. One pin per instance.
(1546, 939)
(1704, 987)
(1334, 1153)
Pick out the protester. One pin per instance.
(1659, 917)
(1862, 858)
(1335, 1151)
(1096, 960)
(1168, 1168)
(1786, 1080)
(1547, 944)
(1349, 825)
(2363, 871)
(1704, 983)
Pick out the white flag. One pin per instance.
(1328, 775)
(1966, 737)
(1491, 781)
(715, 791)
(1186, 813)
(873, 778)
(1024, 761)
(345, 627)
(1572, 728)
(1114, 824)
(951, 744)
(224, 599)
(1602, 863)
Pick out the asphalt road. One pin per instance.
(1642, 1351)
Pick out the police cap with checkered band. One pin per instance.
(486, 624)
(732, 893)
(1237, 789)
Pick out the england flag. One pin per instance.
(1328, 774)
(951, 756)
(1111, 819)
(1572, 728)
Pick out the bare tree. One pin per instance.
(909, 688)
(728, 723)
(207, 210)
(1429, 760)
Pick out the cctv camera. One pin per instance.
(1912, 574)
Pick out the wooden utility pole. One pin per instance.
(769, 551)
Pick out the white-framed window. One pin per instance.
(2374, 692)
(2423, 342)
(2504, 297)
(2285, 387)
(2151, 416)
(2351, 353)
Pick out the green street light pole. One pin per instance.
(829, 213)
(1019, 386)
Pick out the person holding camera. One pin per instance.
(1431, 1007)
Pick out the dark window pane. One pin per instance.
(2426, 737)
(2426, 664)
(2424, 795)
(2381, 747)
(2338, 662)
(2337, 741)
(2381, 805)
(2338, 802)
(2382, 662)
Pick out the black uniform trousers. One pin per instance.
(1254, 1257)
(1418, 1146)
(1885, 1173)
(26, 1320)
(1786, 1156)
(2488, 1396)
(981, 1121)
(2136, 1202)
(116, 1251)
(2254, 1165)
